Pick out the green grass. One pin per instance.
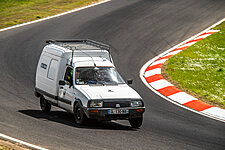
(200, 69)
(3, 147)
(13, 12)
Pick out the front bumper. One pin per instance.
(103, 113)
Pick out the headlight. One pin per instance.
(136, 103)
(96, 104)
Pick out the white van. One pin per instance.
(80, 77)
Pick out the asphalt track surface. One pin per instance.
(137, 30)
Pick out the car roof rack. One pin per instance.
(69, 43)
(80, 45)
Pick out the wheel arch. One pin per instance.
(75, 102)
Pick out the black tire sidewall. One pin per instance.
(45, 105)
(82, 115)
(136, 122)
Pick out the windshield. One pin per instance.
(98, 75)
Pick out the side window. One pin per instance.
(52, 69)
(69, 75)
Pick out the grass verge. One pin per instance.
(200, 69)
(13, 12)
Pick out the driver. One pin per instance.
(101, 75)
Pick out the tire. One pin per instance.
(45, 105)
(79, 115)
(136, 122)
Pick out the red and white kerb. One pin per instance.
(155, 79)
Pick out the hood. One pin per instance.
(110, 92)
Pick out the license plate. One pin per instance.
(118, 111)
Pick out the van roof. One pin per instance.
(78, 48)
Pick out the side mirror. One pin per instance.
(129, 81)
(62, 82)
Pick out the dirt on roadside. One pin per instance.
(7, 145)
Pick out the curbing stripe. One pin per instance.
(159, 62)
(204, 36)
(154, 78)
(181, 48)
(188, 45)
(182, 97)
(154, 67)
(169, 90)
(198, 105)
(177, 96)
(207, 33)
(196, 40)
(165, 57)
(152, 72)
(165, 88)
(174, 52)
(159, 84)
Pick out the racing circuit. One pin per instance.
(137, 31)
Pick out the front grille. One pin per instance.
(112, 104)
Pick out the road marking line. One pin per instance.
(211, 31)
(57, 15)
(185, 46)
(181, 48)
(159, 62)
(166, 57)
(21, 142)
(215, 111)
(174, 52)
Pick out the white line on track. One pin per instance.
(50, 17)
(159, 62)
(173, 53)
(144, 67)
(21, 142)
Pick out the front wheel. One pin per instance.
(45, 105)
(79, 116)
(136, 122)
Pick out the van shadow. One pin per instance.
(67, 119)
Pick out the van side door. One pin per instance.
(66, 92)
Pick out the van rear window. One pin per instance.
(52, 69)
